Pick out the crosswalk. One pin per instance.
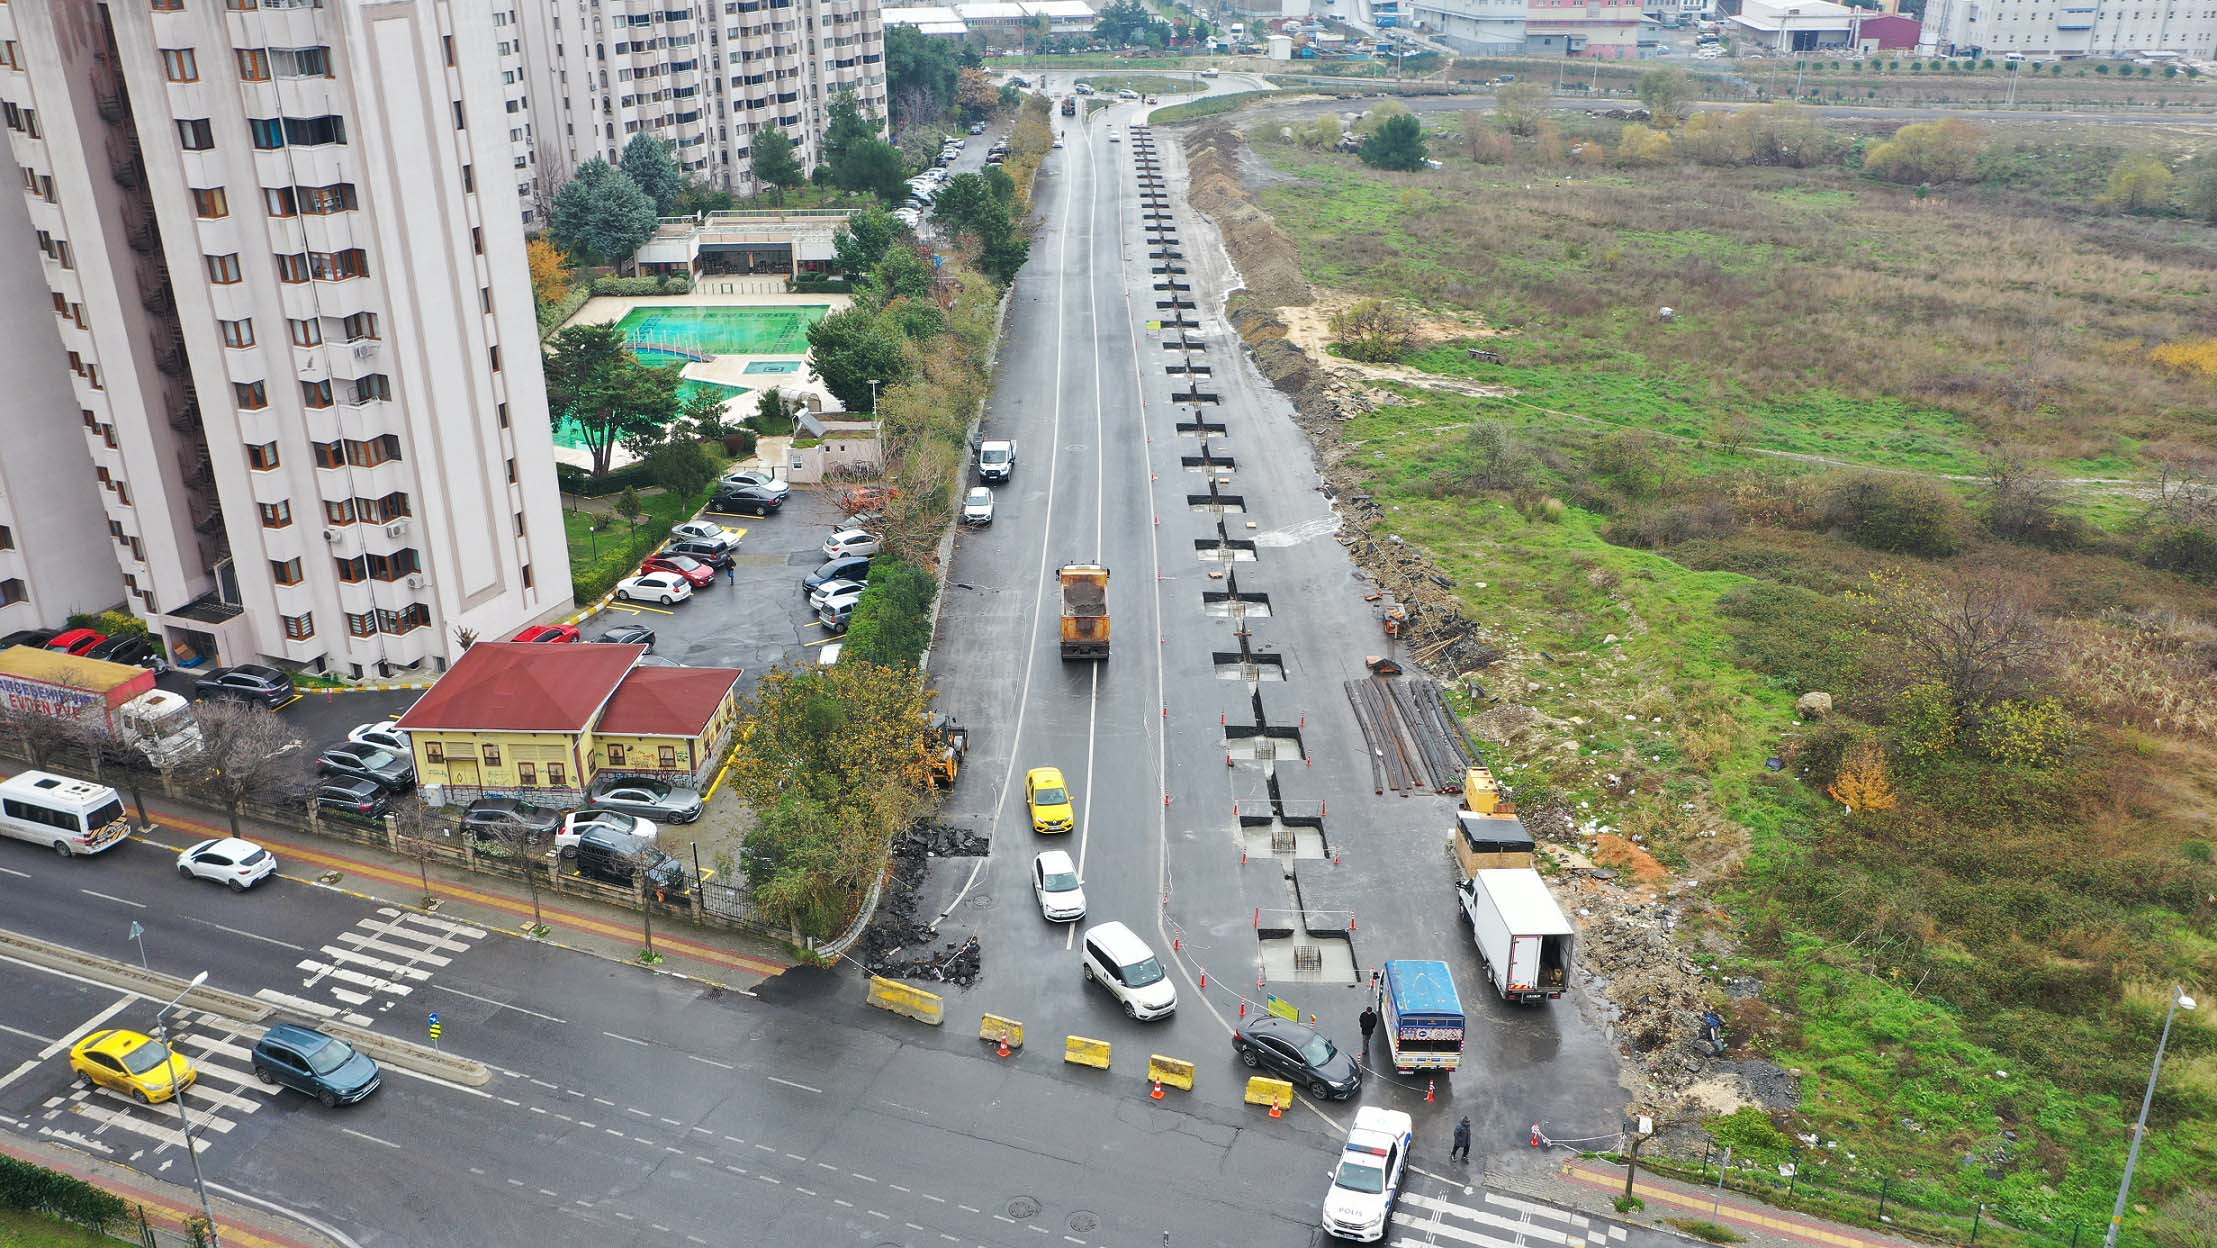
(113, 1124)
(374, 966)
(1497, 1221)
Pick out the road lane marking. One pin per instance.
(359, 1135)
(627, 1040)
(121, 901)
(710, 1061)
(790, 1084)
(502, 1004)
(21, 875)
(27, 1035)
(267, 940)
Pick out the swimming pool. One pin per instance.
(725, 330)
(773, 366)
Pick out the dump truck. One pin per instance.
(119, 697)
(1069, 106)
(1085, 617)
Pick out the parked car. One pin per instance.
(614, 858)
(1119, 961)
(1368, 1177)
(1047, 797)
(507, 818)
(1055, 883)
(76, 640)
(760, 478)
(715, 554)
(232, 861)
(745, 500)
(850, 542)
(846, 567)
(558, 633)
(629, 635)
(977, 506)
(837, 610)
(652, 799)
(367, 762)
(365, 799)
(578, 822)
(977, 127)
(386, 735)
(696, 573)
(29, 637)
(248, 682)
(667, 588)
(306, 1060)
(832, 589)
(996, 459)
(139, 1066)
(1299, 1055)
(704, 531)
(133, 649)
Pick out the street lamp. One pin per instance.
(177, 1094)
(2179, 1001)
(873, 396)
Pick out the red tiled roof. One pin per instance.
(507, 686)
(667, 701)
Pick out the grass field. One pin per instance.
(1969, 982)
(24, 1230)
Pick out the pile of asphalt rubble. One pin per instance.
(900, 943)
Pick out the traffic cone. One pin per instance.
(1003, 1050)
(1429, 1098)
(1157, 1093)
(1275, 1111)
(1535, 1135)
(1204, 981)
(1243, 1007)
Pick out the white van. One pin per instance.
(1118, 960)
(70, 816)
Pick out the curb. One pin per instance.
(245, 1010)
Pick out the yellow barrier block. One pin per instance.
(1086, 1051)
(924, 1007)
(1263, 1090)
(1170, 1072)
(996, 1028)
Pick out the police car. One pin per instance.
(1369, 1175)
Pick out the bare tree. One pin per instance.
(1978, 637)
(464, 637)
(245, 750)
(515, 840)
(412, 824)
(2184, 493)
(2023, 501)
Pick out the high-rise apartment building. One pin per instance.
(282, 249)
(701, 75)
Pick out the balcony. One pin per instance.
(124, 164)
(108, 100)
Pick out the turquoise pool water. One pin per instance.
(774, 366)
(725, 330)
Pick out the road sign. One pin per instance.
(434, 1026)
(1279, 1007)
(136, 930)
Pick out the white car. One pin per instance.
(977, 506)
(1127, 94)
(238, 864)
(850, 542)
(1055, 883)
(578, 822)
(704, 531)
(1114, 137)
(667, 588)
(760, 478)
(1369, 1175)
(386, 735)
(835, 609)
(830, 589)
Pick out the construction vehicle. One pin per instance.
(1085, 617)
(1069, 106)
(1524, 942)
(945, 744)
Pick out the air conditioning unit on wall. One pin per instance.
(416, 580)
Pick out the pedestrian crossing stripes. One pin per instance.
(1498, 1222)
(112, 1123)
(369, 969)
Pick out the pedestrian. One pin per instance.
(1369, 1024)
(1461, 1151)
(731, 574)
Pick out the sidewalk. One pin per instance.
(1590, 1186)
(167, 1205)
(728, 958)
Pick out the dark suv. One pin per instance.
(251, 682)
(751, 500)
(614, 857)
(306, 1060)
(496, 818)
(715, 554)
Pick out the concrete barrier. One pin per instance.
(1001, 1030)
(899, 998)
(1086, 1051)
(1263, 1090)
(1170, 1072)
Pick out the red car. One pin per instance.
(76, 641)
(693, 570)
(548, 632)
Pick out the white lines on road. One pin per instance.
(857, 1174)
(843, 1204)
(27, 1035)
(898, 1188)
(709, 1061)
(790, 1084)
(21, 875)
(121, 901)
(805, 1191)
(627, 1039)
(875, 1214)
(267, 940)
(969, 1209)
(359, 1135)
(502, 1004)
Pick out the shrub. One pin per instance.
(892, 622)
(1701, 1228)
(669, 285)
(1801, 639)
(1375, 331)
(2141, 182)
(1498, 459)
(1643, 145)
(2187, 549)
(1901, 514)
(2027, 733)
(1671, 524)
(36, 1189)
(1928, 151)
(1924, 721)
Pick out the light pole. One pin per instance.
(177, 1094)
(2179, 1001)
(873, 396)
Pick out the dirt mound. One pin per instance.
(1267, 259)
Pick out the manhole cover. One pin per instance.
(1023, 1208)
(983, 901)
(1082, 1223)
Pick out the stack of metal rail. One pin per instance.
(1416, 743)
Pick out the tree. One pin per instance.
(2024, 503)
(1927, 152)
(892, 622)
(244, 750)
(844, 126)
(852, 346)
(702, 413)
(1520, 106)
(1668, 94)
(550, 276)
(2141, 182)
(920, 74)
(1321, 132)
(902, 274)
(1398, 143)
(600, 215)
(1643, 145)
(1976, 637)
(1375, 331)
(594, 381)
(699, 197)
(1498, 458)
(775, 165)
(865, 238)
(629, 507)
(873, 166)
(975, 95)
(1862, 783)
(2201, 190)
(514, 840)
(681, 466)
(967, 207)
(1378, 115)
(1004, 252)
(1127, 22)
(647, 163)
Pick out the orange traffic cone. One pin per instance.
(1429, 1098)
(1157, 1093)
(1002, 1051)
(1276, 1111)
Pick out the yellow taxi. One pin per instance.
(136, 1065)
(1049, 799)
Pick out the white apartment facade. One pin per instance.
(702, 75)
(284, 258)
(2070, 29)
(1600, 29)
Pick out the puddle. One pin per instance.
(1253, 668)
(1307, 958)
(1222, 605)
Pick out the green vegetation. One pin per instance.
(1701, 1228)
(31, 1230)
(606, 546)
(1841, 463)
(892, 622)
(1208, 106)
(600, 215)
(48, 1194)
(1144, 84)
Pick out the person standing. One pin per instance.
(1369, 1024)
(1461, 1151)
(731, 573)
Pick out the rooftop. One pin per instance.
(504, 686)
(667, 701)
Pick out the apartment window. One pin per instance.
(373, 452)
(315, 394)
(337, 510)
(242, 6)
(299, 627)
(527, 773)
(331, 455)
(261, 457)
(338, 266)
(383, 510)
(393, 566)
(122, 493)
(364, 624)
(278, 201)
(253, 65)
(493, 353)
(293, 268)
(352, 571)
(7, 538)
(195, 134)
(251, 396)
(555, 775)
(285, 571)
(502, 411)
(527, 576)
(477, 239)
(315, 131)
(323, 200)
(268, 132)
(359, 326)
(374, 386)
(301, 62)
(209, 203)
(511, 472)
(433, 751)
(237, 333)
(469, 178)
(12, 592)
(276, 515)
(166, 6)
(458, 115)
(669, 757)
(519, 524)
(180, 65)
(305, 333)
(491, 755)
(223, 270)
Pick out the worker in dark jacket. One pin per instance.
(1369, 1024)
(1461, 1151)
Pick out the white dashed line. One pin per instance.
(546, 1192)
(621, 1214)
(796, 1157)
(802, 1190)
(670, 1122)
(765, 1148)
(875, 1214)
(939, 1199)
(371, 1138)
(825, 1165)
(627, 1039)
(898, 1188)
(515, 1182)
(790, 1084)
(702, 1131)
(544, 1084)
(912, 1226)
(969, 1209)
(601, 1101)
(859, 1175)
(709, 1061)
(642, 1113)
(843, 1204)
